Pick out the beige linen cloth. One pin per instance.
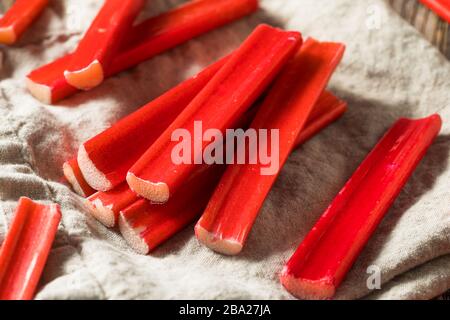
(388, 72)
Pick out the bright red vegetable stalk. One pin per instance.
(231, 91)
(106, 206)
(101, 43)
(145, 226)
(106, 158)
(147, 40)
(324, 257)
(25, 249)
(74, 176)
(441, 7)
(18, 18)
(327, 110)
(234, 206)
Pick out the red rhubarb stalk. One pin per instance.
(327, 110)
(74, 176)
(25, 249)
(440, 7)
(224, 99)
(147, 40)
(101, 43)
(106, 158)
(234, 206)
(327, 253)
(106, 206)
(18, 18)
(170, 29)
(145, 226)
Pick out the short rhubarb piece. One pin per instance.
(74, 176)
(106, 158)
(234, 206)
(440, 7)
(47, 83)
(228, 95)
(106, 206)
(101, 43)
(145, 226)
(327, 253)
(18, 18)
(25, 250)
(146, 40)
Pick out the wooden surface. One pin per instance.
(434, 29)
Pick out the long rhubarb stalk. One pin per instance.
(101, 43)
(324, 257)
(26, 248)
(440, 7)
(18, 18)
(106, 158)
(106, 206)
(147, 40)
(224, 99)
(145, 226)
(234, 206)
(74, 176)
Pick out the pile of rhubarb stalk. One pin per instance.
(275, 80)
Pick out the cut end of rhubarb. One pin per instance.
(7, 35)
(102, 213)
(87, 78)
(94, 177)
(156, 192)
(41, 92)
(307, 289)
(224, 246)
(71, 177)
(132, 237)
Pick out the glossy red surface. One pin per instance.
(147, 40)
(19, 18)
(113, 152)
(101, 43)
(441, 7)
(229, 94)
(241, 192)
(330, 249)
(146, 226)
(25, 250)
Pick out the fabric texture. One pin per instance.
(389, 71)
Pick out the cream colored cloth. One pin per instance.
(388, 72)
